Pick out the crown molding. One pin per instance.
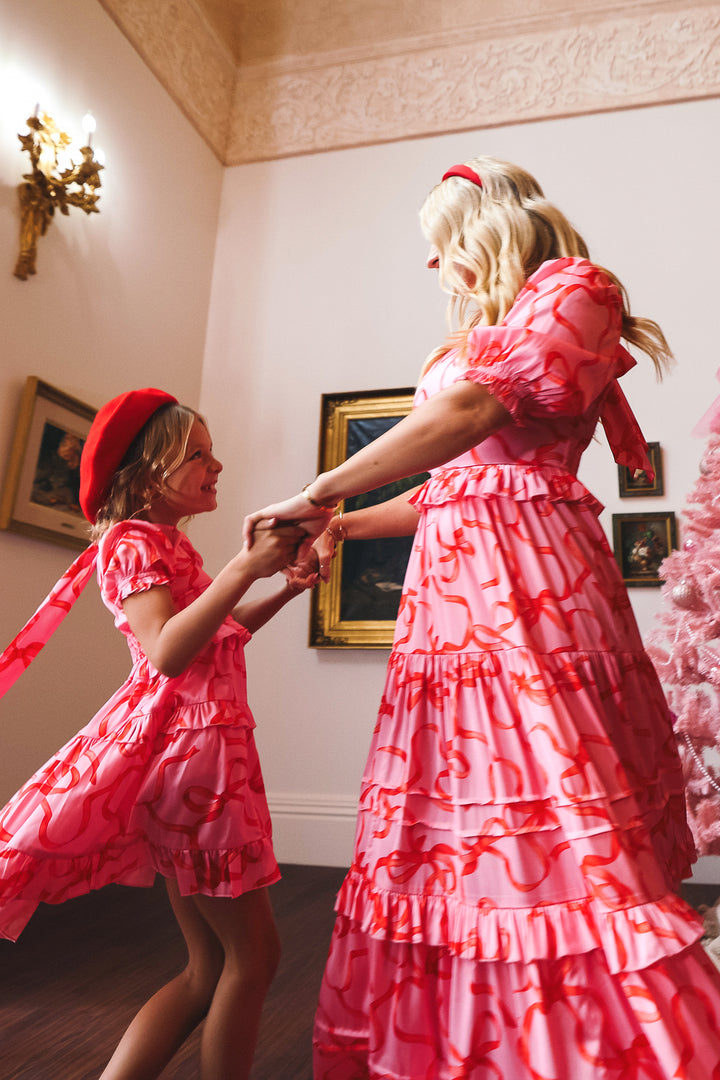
(624, 56)
(182, 50)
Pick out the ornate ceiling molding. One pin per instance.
(425, 86)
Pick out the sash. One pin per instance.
(38, 630)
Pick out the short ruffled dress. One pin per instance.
(510, 911)
(164, 780)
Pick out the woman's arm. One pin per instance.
(172, 639)
(443, 427)
(394, 517)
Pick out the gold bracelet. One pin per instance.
(313, 502)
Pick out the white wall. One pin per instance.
(120, 300)
(320, 286)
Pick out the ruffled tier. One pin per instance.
(28, 881)
(129, 717)
(391, 1011)
(523, 483)
(521, 808)
(508, 773)
(630, 938)
(122, 805)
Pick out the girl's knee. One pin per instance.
(202, 974)
(201, 984)
(256, 967)
(245, 929)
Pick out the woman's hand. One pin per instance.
(295, 511)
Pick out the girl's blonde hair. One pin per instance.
(496, 237)
(152, 457)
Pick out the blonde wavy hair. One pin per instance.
(491, 239)
(151, 459)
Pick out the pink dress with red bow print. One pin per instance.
(165, 779)
(510, 911)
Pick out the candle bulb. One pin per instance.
(88, 127)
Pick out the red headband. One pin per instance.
(466, 173)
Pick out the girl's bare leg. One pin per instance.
(166, 1020)
(246, 930)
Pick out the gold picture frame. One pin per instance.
(42, 483)
(641, 542)
(357, 608)
(636, 482)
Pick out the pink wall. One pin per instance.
(120, 299)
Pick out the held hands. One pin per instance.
(310, 519)
(274, 548)
(299, 510)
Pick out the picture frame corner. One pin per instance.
(44, 406)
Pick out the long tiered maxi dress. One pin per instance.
(510, 911)
(165, 779)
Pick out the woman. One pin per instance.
(511, 909)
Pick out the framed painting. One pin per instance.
(40, 497)
(358, 606)
(641, 542)
(634, 482)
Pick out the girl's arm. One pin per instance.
(172, 639)
(300, 576)
(255, 613)
(443, 427)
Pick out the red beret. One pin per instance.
(111, 433)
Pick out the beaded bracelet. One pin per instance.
(313, 502)
(342, 535)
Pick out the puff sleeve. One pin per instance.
(558, 349)
(134, 558)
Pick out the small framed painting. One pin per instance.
(635, 482)
(41, 495)
(641, 542)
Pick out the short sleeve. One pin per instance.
(134, 558)
(558, 349)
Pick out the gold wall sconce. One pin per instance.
(55, 183)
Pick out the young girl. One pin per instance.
(165, 779)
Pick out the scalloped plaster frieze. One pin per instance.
(181, 49)
(613, 64)
(515, 70)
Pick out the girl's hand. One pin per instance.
(303, 574)
(325, 551)
(274, 548)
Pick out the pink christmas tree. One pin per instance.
(685, 647)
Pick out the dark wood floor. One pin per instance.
(80, 971)
(78, 974)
